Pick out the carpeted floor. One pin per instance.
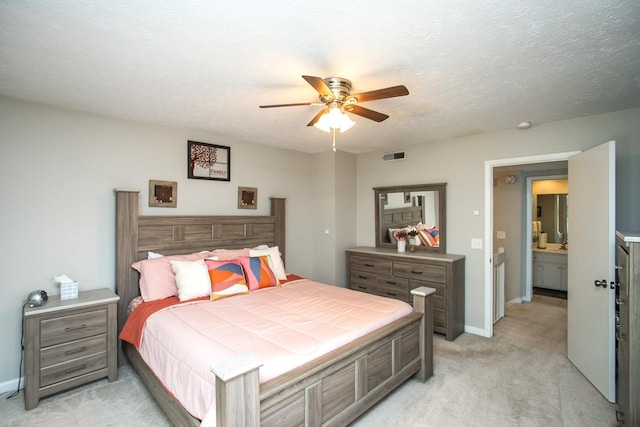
(520, 377)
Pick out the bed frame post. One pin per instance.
(238, 391)
(126, 254)
(422, 303)
(277, 210)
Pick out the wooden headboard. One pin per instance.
(401, 217)
(169, 235)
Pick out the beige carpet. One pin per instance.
(520, 377)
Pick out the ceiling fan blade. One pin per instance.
(365, 112)
(316, 118)
(288, 105)
(390, 92)
(319, 85)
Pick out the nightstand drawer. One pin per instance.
(73, 350)
(69, 328)
(373, 265)
(73, 368)
(432, 273)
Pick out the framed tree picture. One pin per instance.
(208, 161)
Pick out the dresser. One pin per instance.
(69, 343)
(628, 329)
(389, 273)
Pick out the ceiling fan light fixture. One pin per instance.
(334, 118)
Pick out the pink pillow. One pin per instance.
(257, 272)
(157, 279)
(226, 254)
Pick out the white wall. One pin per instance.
(58, 169)
(460, 163)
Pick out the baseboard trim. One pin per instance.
(11, 385)
(513, 301)
(475, 331)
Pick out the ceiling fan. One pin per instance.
(335, 95)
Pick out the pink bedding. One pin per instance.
(285, 326)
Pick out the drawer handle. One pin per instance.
(416, 272)
(369, 265)
(361, 287)
(391, 293)
(392, 283)
(362, 277)
(77, 368)
(77, 328)
(79, 350)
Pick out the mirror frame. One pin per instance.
(441, 188)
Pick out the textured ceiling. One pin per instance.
(470, 66)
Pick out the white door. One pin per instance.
(590, 314)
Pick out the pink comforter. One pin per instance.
(285, 326)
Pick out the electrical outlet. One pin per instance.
(476, 243)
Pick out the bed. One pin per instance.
(332, 389)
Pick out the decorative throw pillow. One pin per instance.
(258, 273)
(192, 279)
(275, 260)
(226, 278)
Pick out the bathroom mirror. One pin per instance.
(551, 211)
(407, 206)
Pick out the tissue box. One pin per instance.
(68, 290)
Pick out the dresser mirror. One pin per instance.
(415, 213)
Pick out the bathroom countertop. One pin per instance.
(552, 248)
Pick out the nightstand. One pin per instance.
(69, 343)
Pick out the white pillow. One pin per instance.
(153, 255)
(192, 278)
(275, 260)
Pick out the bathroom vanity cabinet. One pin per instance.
(550, 269)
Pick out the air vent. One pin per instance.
(399, 155)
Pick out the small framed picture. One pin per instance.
(247, 198)
(163, 194)
(208, 161)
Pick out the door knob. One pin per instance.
(604, 283)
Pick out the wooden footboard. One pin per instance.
(338, 387)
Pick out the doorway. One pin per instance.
(519, 162)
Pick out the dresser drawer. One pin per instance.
(73, 368)
(392, 292)
(63, 352)
(373, 265)
(393, 282)
(432, 273)
(73, 327)
(439, 322)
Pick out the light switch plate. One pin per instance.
(501, 234)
